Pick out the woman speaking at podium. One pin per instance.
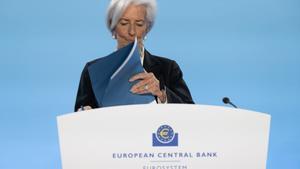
(127, 20)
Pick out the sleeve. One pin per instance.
(176, 88)
(85, 94)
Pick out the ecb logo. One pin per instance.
(164, 136)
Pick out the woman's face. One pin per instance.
(132, 24)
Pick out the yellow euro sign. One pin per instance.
(164, 133)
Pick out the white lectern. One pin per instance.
(164, 136)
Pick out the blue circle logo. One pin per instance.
(165, 134)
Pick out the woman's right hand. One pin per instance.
(84, 108)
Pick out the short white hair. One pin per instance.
(116, 9)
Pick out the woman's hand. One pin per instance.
(147, 84)
(83, 108)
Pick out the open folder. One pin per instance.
(110, 77)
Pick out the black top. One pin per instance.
(165, 70)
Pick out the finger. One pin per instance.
(147, 81)
(141, 84)
(84, 108)
(143, 90)
(87, 107)
(153, 89)
(138, 76)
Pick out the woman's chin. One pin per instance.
(125, 44)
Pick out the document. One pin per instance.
(110, 77)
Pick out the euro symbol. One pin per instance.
(164, 133)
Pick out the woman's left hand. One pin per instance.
(147, 84)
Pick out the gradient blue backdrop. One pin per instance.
(245, 49)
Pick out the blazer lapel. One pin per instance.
(151, 64)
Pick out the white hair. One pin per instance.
(116, 9)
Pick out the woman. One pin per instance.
(127, 20)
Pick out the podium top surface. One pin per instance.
(159, 107)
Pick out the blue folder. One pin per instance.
(110, 77)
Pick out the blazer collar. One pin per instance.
(151, 64)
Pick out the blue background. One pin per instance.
(245, 49)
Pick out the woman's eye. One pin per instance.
(123, 23)
(140, 24)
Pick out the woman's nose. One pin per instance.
(131, 30)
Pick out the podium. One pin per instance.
(164, 136)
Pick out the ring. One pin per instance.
(146, 87)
